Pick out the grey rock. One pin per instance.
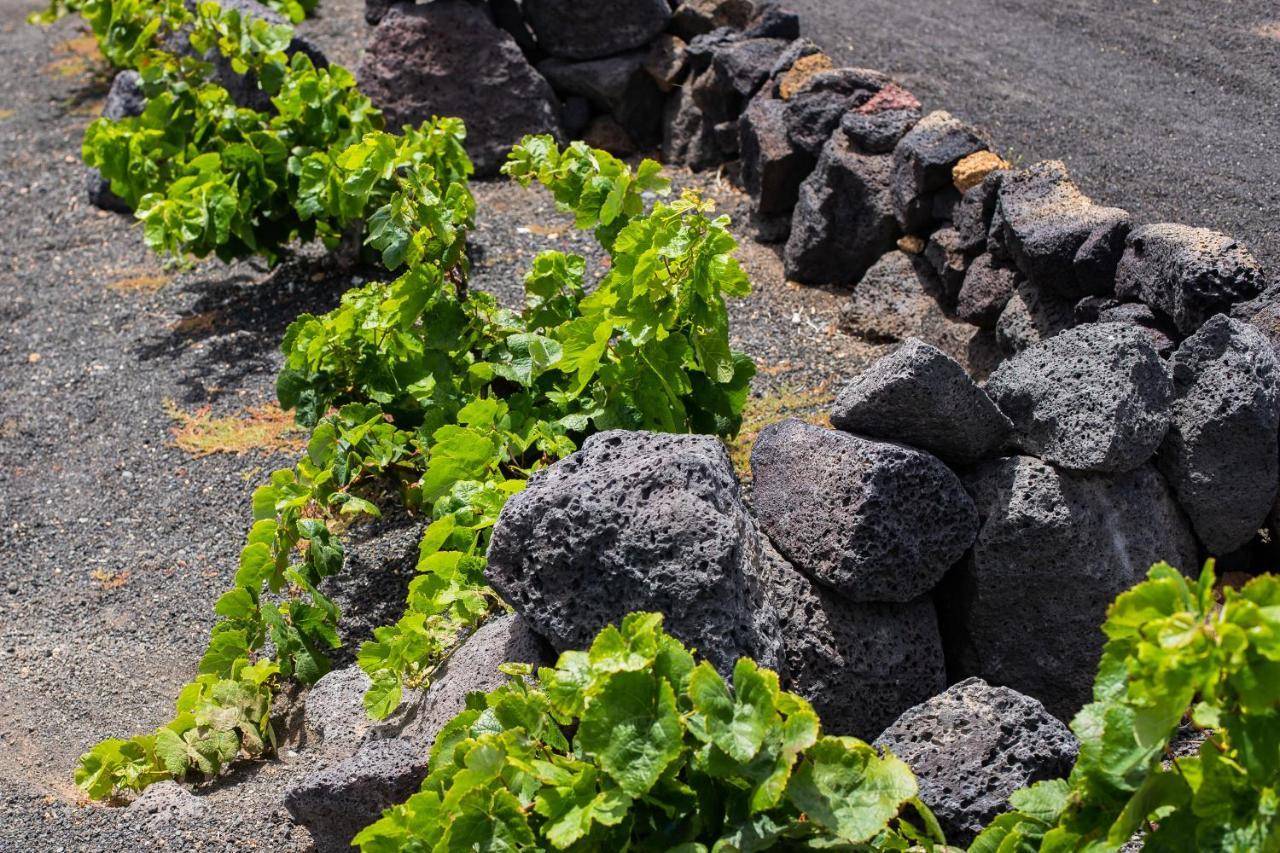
(948, 259)
(1032, 315)
(575, 116)
(877, 132)
(1053, 551)
(447, 58)
(920, 396)
(1048, 221)
(472, 668)
(637, 521)
(334, 711)
(1222, 452)
(873, 520)
(898, 298)
(688, 138)
(972, 216)
(815, 109)
(973, 746)
(773, 21)
(797, 50)
(1190, 274)
(860, 665)
(1099, 255)
(340, 800)
(922, 166)
(619, 85)
(666, 61)
(843, 220)
(987, 288)
(381, 764)
(1094, 398)
(164, 806)
(567, 29)
(1159, 330)
(693, 18)
(772, 166)
(742, 67)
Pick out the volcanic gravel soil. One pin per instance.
(1167, 108)
(114, 543)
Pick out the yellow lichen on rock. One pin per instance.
(970, 171)
(804, 68)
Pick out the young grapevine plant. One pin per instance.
(634, 746)
(422, 391)
(1173, 653)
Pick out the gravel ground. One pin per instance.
(113, 542)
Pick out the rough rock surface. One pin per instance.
(920, 396)
(695, 17)
(620, 85)
(1094, 398)
(1221, 453)
(877, 132)
(447, 58)
(1053, 551)
(637, 521)
(165, 804)
(987, 288)
(340, 800)
(843, 221)
(859, 664)
(898, 299)
(923, 160)
(1188, 273)
(973, 746)
(873, 520)
(972, 216)
(567, 29)
(1046, 222)
(973, 169)
(815, 109)
(772, 166)
(1032, 315)
(948, 260)
(379, 764)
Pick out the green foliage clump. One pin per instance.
(1173, 653)
(425, 393)
(634, 746)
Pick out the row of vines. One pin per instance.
(423, 393)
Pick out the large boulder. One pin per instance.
(446, 58)
(1222, 454)
(973, 746)
(373, 766)
(923, 160)
(860, 665)
(773, 167)
(620, 85)
(1188, 273)
(1094, 398)
(920, 396)
(1054, 549)
(843, 222)
(1047, 220)
(637, 521)
(873, 520)
(568, 29)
